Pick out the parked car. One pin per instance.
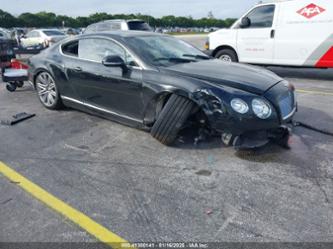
(288, 33)
(111, 25)
(43, 37)
(158, 82)
(70, 31)
(5, 34)
(8, 36)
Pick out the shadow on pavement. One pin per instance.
(302, 142)
(302, 137)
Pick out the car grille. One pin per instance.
(287, 104)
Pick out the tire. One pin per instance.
(171, 119)
(47, 91)
(19, 84)
(11, 87)
(227, 55)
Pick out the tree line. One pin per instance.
(49, 19)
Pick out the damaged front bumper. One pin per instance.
(248, 130)
(257, 139)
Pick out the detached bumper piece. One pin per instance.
(257, 139)
(17, 118)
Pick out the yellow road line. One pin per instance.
(95, 229)
(314, 92)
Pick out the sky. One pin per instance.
(157, 8)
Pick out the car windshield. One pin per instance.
(52, 32)
(138, 25)
(165, 50)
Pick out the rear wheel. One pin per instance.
(171, 119)
(47, 91)
(227, 55)
(11, 87)
(19, 84)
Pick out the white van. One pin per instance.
(288, 33)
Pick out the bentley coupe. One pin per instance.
(158, 83)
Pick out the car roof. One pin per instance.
(123, 34)
(120, 20)
(49, 30)
(42, 30)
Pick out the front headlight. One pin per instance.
(261, 108)
(239, 106)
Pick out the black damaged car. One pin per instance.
(157, 82)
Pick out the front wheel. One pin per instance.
(227, 55)
(47, 91)
(171, 119)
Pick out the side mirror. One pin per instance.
(245, 22)
(114, 61)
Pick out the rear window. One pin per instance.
(52, 32)
(137, 25)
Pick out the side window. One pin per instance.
(71, 48)
(262, 17)
(97, 49)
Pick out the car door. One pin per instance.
(107, 88)
(255, 43)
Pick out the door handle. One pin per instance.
(77, 69)
(272, 33)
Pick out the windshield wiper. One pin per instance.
(197, 56)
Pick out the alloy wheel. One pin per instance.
(46, 89)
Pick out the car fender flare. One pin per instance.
(156, 104)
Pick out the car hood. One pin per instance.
(248, 78)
